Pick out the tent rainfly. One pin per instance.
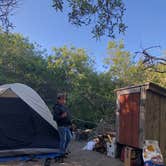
(26, 123)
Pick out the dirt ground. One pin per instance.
(78, 157)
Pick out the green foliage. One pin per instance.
(21, 61)
(157, 77)
(90, 94)
(71, 70)
(105, 15)
(87, 90)
(124, 69)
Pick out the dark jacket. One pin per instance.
(58, 111)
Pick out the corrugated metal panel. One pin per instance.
(129, 119)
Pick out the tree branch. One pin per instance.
(6, 9)
(150, 61)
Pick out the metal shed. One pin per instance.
(141, 115)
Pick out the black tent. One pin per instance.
(26, 124)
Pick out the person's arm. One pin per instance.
(56, 113)
(59, 113)
(64, 114)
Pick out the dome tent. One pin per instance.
(26, 124)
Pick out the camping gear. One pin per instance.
(151, 154)
(140, 115)
(27, 127)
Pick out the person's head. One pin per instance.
(61, 98)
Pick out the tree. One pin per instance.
(90, 95)
(22, 61)
(124, 68)
(6, 9)
(106, 16)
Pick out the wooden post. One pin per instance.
(142, 117)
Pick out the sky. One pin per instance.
(37, 20)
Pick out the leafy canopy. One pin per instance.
(90, 94)
(104, 16)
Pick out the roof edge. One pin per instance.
(148, 86)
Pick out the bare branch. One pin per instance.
(151, 61)
(152, 47)
(6, 9)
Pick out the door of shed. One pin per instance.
(129, 119)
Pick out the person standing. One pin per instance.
(62, 116)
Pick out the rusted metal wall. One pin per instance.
(129, 119)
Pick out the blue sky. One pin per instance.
(37, 20)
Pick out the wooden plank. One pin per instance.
(132, 86)
(162, 142)
(156, 116)
(142, 117)
(147, 115)
(117, 117)
(129, 91)
(152, 116)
